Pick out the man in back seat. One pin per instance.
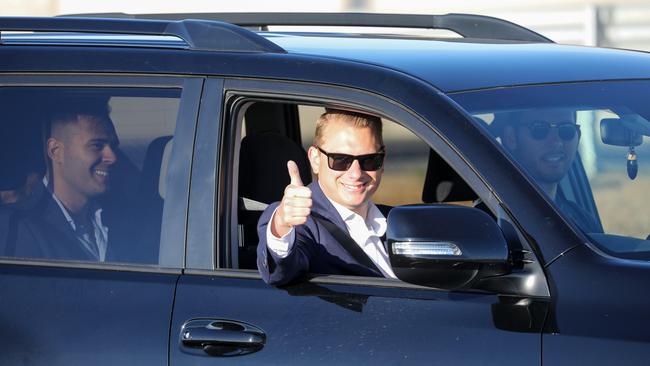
(62, 219)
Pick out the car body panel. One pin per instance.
(73, 316)
(203, 200)
(484, 65)
(323, 324)
(598, 314)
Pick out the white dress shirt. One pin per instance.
(366, 233)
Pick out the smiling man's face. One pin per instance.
(83, 154)
(546, 156)
(354, 187)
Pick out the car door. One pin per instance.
(227, 314)
(57, 309)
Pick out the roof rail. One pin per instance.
(467, 25)
(198, 34)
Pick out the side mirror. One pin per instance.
(613, 131)
(445, 246)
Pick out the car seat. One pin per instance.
(21, 149)
(263, 177)
(135, 203)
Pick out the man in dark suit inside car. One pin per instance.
(545, 142)
(62, 219)
(330, 226)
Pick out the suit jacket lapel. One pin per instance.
(54, 219)
(324, 208)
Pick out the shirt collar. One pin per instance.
(97, 211)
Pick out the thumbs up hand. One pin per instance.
(295, 206)
(294, 174)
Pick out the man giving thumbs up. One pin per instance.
(330, 226)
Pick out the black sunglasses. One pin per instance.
(567, 131)
(343, 162)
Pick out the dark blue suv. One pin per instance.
(517, 169)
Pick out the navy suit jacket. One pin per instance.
(37, 228)
(315, 250)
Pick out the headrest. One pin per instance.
(154, 167)
(443, 184)
(263, 166)
(21, 152)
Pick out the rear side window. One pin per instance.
(83, 172)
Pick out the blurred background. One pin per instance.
(605, 23)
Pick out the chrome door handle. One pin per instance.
(221, 337)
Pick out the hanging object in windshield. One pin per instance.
(625, 131)
(632, 166)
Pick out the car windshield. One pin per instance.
(587, 146)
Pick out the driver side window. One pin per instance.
(271, 133)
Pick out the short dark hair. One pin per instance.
(66, 111)
(69, 110)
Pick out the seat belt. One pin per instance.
(348, 243)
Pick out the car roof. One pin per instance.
(458, 65)
(507, 55)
